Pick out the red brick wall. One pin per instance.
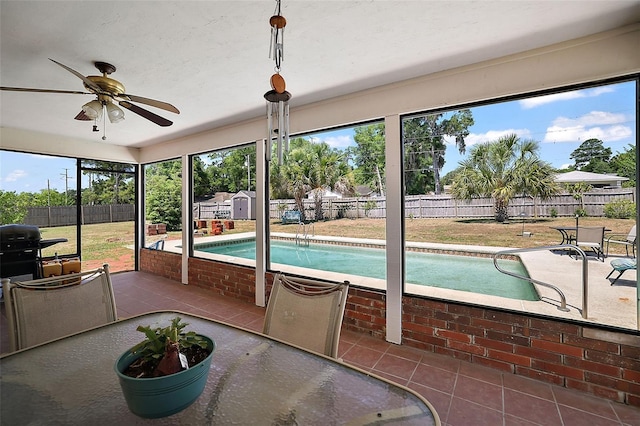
(365, 312)
(163, 263)
(602, 362)
(223, 278)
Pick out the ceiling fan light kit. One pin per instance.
(278, 97)
(115, 114)
(93, 109)
(107, 91)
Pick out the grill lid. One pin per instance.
(19, 236)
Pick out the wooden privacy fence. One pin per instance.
(211, 210)
(444, 206)
(416, 206)
(45, 217)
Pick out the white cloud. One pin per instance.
(15, 175)
(601, 125)
(491, 135)
(340, 142)
(565, 96)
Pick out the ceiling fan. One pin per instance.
(107, 90)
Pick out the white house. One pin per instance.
(327, 193)
(594, 179)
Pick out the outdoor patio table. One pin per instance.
(253, 380)
(564, 231)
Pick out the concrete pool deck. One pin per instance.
(608, 305)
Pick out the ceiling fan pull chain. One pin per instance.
(104, 127)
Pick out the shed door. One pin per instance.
(241, 208)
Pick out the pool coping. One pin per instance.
(607, 305)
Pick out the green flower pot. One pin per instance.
(156, 397)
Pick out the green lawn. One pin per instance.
(111, 242)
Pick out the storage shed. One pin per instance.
(243, 205)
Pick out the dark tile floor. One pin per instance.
(462, 393)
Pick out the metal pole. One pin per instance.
(248, 174)
(585, 286)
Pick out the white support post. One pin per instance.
(142, 228)
(262, 216)
(186, 218)
(395, 255)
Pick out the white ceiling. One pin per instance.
(210, 58)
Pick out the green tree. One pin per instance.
(502, 169)
(278, 182)
(591, 155)
(109, 188)
(330, 172)
(228, 169)
(109, 183)
(577, 191)
(163, 184)
(201, 179)
(448, 178)
(624, 164)
(13, 207)
(312, 167)
(368, 156)
(424, 147)
(47, 197)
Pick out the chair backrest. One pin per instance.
(50, 308)
(590, 235)
(158, 245)
(632, 235)
(307, 313)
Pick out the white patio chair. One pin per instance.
(307, 313)
(591, 237)
(50, 308)
(628, 240)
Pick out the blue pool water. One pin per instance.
(465, 273)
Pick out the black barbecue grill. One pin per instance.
(19, 250)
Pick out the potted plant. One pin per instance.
(166, 372)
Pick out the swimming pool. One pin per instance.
(464, 273)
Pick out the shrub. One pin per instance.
(620, 209)
(342, 210)
(368, 206)
(554, 212)
(580, 212)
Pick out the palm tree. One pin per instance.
(315, 167)
(502, 169)
(296, 171)
(329, 171)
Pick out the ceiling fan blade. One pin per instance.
(154, 103)
(82, 116)
(160, 121)
(93, 86)
(25, 89)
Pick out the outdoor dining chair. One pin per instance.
(592, 238)
(49, 308)
(628, 240)
(307, 313)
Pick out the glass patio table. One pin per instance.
(253, 379)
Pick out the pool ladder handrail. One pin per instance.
(305, 233)
(563, 299)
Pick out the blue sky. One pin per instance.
(21, 172)
(560, 122)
